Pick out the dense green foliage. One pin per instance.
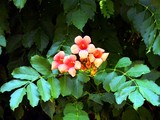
(125, 87)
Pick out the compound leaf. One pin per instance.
(12, 85)
(32, 94)
(16, 98)
(41, 64)
(25, 72)
(44, 89)
(55, 87)
(138, 70)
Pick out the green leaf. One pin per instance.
(19, 112)
(68, 4)
(4, 26)
(108, 97)
(153, 75)
(122, 94)
(96, 98)
(78, 16)
(107, 8)
(138, 70)
(55, 87)
(12, 85)
(130, 114)
(49, 108)
(41, 65)
(0, 50)
(156, 45)
(41, 39)
(66, 85)
(107, 80)
(12, 46)
(78, 19)
(72, 107)
(54, 48)
(75, 112)
(150, 85)
(83, 77)
(16, 98)
(32, 94)
(145, 113)
(19, 3)
(136, 98)
(66, 49)
(77, 88)
(123, 62)
(2, 41)
(28, 39)
(100, 77)
(25, 73)
(150, 96)
(116, 82)
(124, 85)
(44, 89)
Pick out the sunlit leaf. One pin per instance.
(138, 70)
(41, 64)
(32, 94)
(16, 97)
(2, 41)
(19, 3)
(75, 112)
(77, 88)
(55, 87)
(116, 82)
(12, 85)
(150, 85)
(66, 85)
(44, 89)
(123, 62)
(25, 72)
(123, 94)
(150, 96)
(108, 79)
(136, 98)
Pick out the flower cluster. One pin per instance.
(85, 56)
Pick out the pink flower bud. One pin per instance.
(98, 62)
(83, 54)
(72, 72)
(74, 49)
(91, 58)
(77, 65)
(104, 56)
(54, 65)
(62, 68)
(91, 48)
